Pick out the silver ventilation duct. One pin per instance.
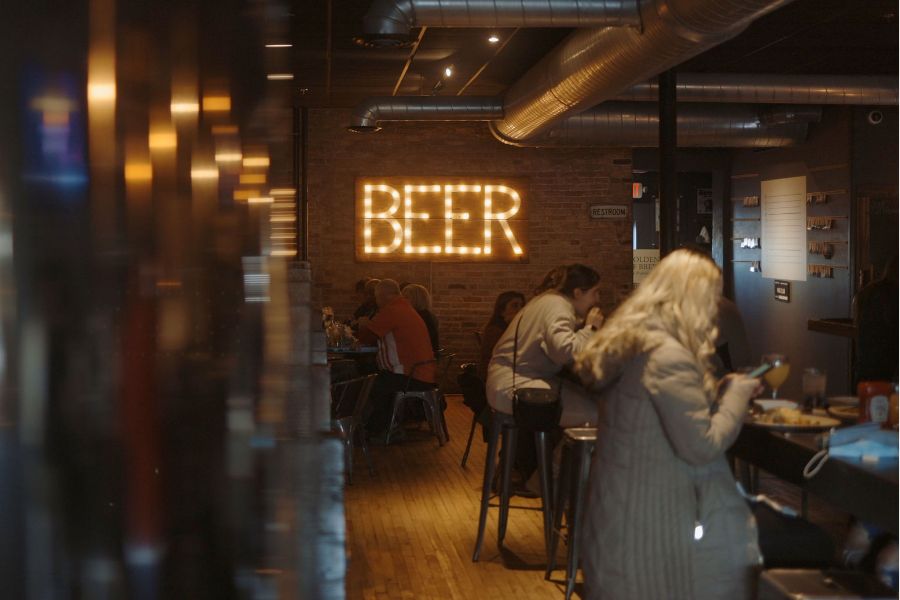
(594, 65)
(388, 22)
(866, 90)
(371, 111)
(636, 125)
(790, 113)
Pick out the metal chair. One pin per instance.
(347, 425)
(474, 397)
(432, 402)
(578, 446)
(504, 425)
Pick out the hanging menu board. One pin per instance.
(783, 228)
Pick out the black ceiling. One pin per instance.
(807, 36)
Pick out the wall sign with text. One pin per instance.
(609, 211)
(782, 291)
(643, 260)
(441, 219)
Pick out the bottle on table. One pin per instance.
(874, 401)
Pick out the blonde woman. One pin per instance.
(664, 519)
(420, 299)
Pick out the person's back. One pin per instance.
(403, 340)
(420, 299)
(405, 359)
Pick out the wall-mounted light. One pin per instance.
(138, 171)
(101, 91)
(256, 161)
(184, 108)
(391, 229)
(216, 103)
(204, 173)
(225, 157)
(162, 139)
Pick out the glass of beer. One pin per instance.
(778, 374)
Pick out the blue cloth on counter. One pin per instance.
(864, 449)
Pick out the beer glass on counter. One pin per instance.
(776, 377)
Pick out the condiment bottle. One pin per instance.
(874, 401)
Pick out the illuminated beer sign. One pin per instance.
(440, 220)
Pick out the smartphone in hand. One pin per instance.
(761, 370)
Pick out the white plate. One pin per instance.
(813, 423)
(843, 401)
(768, 405)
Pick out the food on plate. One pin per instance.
(786, 416)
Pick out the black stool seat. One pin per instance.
(578, 445)
(504, 425)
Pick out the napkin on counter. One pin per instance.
(867, 450)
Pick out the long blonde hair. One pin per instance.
(679, 298)
(418, 296)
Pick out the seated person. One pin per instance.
(507, 306)
(420, 299)
(403, 341)
(368, 307)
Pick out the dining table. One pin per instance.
(362, 358)
(867, 490)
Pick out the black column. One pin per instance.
(668, 192)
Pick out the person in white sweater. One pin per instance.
(664, 518)
(551, 329)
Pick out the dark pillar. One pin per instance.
(668, 191)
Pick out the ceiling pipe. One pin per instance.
(782, 114)
(864, 90)
(594, 65)
(388, 23)
(371, 111)
(636, 125)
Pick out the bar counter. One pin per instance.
(868, 491)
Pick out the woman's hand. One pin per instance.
(742, 385)
(594, 319)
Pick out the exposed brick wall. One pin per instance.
(563, 184)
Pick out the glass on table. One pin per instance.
(814, 381)
(776, 377)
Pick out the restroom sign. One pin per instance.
(609, 211)
(441, 219)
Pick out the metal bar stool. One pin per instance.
(503, 425)
(578, 445)
(432, 404)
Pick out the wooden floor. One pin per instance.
(411, 528)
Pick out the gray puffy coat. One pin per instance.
(659, 474)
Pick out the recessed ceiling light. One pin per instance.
(279, 76)
(448, 71)
(494, 38)
(279, 45)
